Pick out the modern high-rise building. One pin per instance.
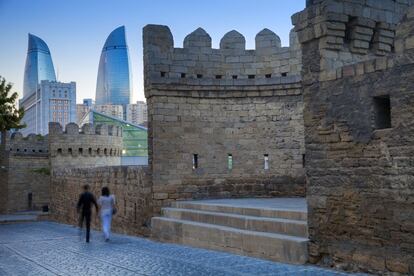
(137, 113)
(113, 83)
(83, 109)
(39, 65)
(52, 102)
(112, 110)
(44, 99)
(88, 102)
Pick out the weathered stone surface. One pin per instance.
(90, 146)
(198, 64)
(24, 173)
(362, 29)
(254, 234)
(236, 110)
(359, 177)
(131, 187)
(213, 128)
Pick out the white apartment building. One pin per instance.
(137, 113)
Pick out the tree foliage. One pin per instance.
(10, 115)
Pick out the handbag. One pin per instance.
(114, 210)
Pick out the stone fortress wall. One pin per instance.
(90, 146)
(350, 31)
(29, 163)
(131, 186)
(342, 110)
(198, 64)
(92, 155)
(359, 128)
(211, 107)
(24, 173)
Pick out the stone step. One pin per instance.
(7, 219)
(275, 247)
(243, 210)
(252, 223)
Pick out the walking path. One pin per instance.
(46, 248)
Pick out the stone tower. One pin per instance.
(357, 91)
(223, 122)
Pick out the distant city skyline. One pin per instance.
(76, 30)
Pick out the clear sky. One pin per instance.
(75, 31)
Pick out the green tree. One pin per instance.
(10, 115)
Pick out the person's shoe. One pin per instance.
(107, 240)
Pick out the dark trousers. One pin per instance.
(87, 217)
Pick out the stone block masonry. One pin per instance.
(349, 31)
(26, 162)
(130, 185)
(198, 64)
(226, 122)
(358, 119)
(90, 146)
(24, 173)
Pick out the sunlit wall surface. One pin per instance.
(39, 65)
(113, 83)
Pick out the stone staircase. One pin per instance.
(269, 232)
(20, 217)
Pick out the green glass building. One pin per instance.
(135, 137)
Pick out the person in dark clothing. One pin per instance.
(84, 208)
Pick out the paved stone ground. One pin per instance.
(46, 248)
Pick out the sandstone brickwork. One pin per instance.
(90, 146)
(358, 128)
(221, 106)
(349, 31)
(130, 185)
(26, 162)
(24, 173)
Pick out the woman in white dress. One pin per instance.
(107, 206)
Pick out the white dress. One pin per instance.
(106, 204)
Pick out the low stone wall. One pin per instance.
(24, 173)
(130, 185)
(28, 182)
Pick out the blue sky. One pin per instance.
(76, 30)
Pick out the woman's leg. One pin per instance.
(109, 225)
(105, 225)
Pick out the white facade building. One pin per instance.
(83, 109)
(112, 110)
(52, 102)
(137, 113)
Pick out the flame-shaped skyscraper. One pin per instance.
(39, 65)
(113, 83)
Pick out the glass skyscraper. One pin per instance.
(44, 99)
(39, 65)
(113, 83)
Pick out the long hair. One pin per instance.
(105, 191)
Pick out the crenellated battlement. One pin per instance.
(349, 31)
(197, 63)
(32, 144)
(88, 146)
(56, 129)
